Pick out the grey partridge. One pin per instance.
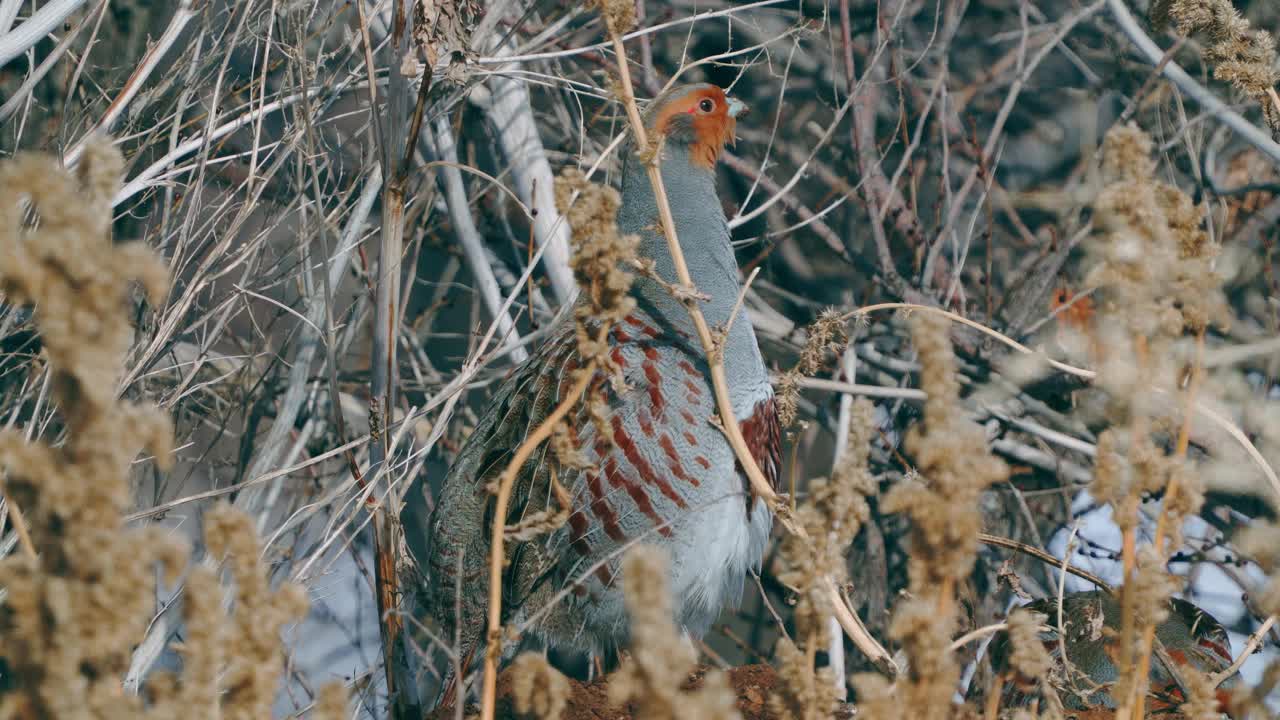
(1190, 636)
(662, 472)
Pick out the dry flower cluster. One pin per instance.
(942, 503)
(1241, 55)
(661, 659)
(75, 605)
(1154, 271)
(831, 516)
(825, 335)
(600, 261)
(1029, 656)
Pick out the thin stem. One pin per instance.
(20, 527)
(1249, 647)
(1162, 523)
(719, 383)
(1035, 552)
(493, 644)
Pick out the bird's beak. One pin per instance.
(736, 108)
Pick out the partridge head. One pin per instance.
(699, 116)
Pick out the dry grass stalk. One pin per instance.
(942, 502)
(72, 616)
(661, 659)
(600, 255)
(496, 557)
(831, 516)
(537, 688)
(1154, 271)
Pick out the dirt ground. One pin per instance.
(590, 701)
(753, 685)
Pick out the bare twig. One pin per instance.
(181, 16)
(1250, 646)
(508, 106)
(469, 237)
(698, 17)
(493, 646)
(18, 40)
(1229, 427)
(1254, 135)
(878, 194)
(1043, 556)
(23, 93)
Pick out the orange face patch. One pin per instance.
(707, 109)
(1080, 313)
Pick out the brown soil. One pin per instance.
(752, 683)
(590, 701)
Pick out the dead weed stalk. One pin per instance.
(74, 612)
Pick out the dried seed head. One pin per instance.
(1240, 54)
(827, 334)
(601, 260)
(619, 15)
(661, 658)
(1028, 655)
(942, 501)
(786, 393)
(538, 689)
(802, 693)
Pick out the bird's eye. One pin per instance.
(707, 105)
